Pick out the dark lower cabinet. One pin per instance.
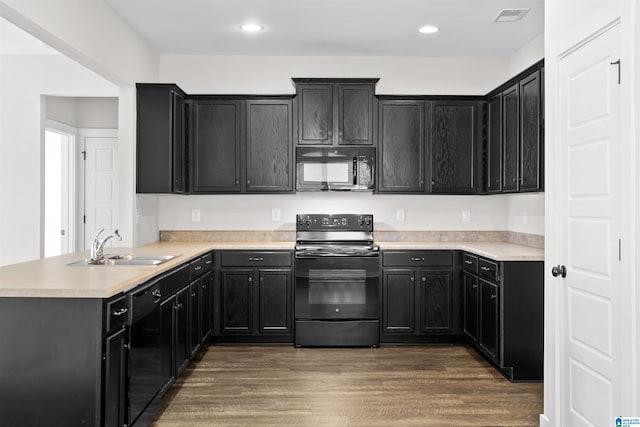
(488, 337)
(253, 301)
(470, 306)
(115, 378)
(436, 301)
(419, 297)
(182, 350)
(503, 314)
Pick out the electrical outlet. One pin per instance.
(525, 217)
(400, 215)
(466, 216)
(275, 215)
(195, 215)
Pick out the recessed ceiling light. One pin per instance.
(429, 29)
(251, 28)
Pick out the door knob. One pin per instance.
(559, 270)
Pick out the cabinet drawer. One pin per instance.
(255, 258)
(488, 270)
(470, 263)
(196, 268)
(417, 258)
(175, 280)
(117, 313)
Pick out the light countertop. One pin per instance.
(53, 278)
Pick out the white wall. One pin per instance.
(241, 212)
(92, 34)
(86, 112)
(23, 82)
(272, 74)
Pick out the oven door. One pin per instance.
(337, 288)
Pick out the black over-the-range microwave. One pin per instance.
(335, 168)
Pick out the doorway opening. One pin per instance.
(60, 189)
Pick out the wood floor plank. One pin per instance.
(347, 387)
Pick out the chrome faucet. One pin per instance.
(97, 246)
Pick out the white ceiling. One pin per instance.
(333, 27)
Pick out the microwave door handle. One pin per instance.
(355, 171)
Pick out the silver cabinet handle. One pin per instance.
(466, 261)
(424, 279)
(250, 279)
(413, 279)
(493, 296)
(120, 312)
(193, 294)
(474, 286)
(417, 259)
(485, 268)
(157, 295)
(256, 259)
(197, 268)
(208, 262)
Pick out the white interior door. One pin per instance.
(590, 224)
(101, 182)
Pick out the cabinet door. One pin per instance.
(436, 305)
(215, 165)
(236, 301)
(182, 347)
(115, 379)
(494, 145)
(315, 114)
(206, 304)
(511, 138)
(179, 143)
(470, 306)
(401, 152)
(453, 147)
(167, 341)
(355, 114)
(489, 318)
(159, 123)
(275, 301)
(195, 307)
(398, 300)
(269, 146)
(530, 133)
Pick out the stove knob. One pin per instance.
(360, 221)
(367, 220)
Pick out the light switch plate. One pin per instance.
(195, 215)
(400, 215)
(275, 215)
(466, 216)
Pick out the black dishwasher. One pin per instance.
(150, 362)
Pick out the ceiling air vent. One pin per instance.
(510, 15)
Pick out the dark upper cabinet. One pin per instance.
(453, 145)
(531, 133)
(242, 145)
(215, 148)
(518, 134)
(161, 139)
(493, 153)
(335, 111)
(401, 151)
(269, 146)
(511, 138)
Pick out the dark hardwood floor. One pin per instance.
(389, 386)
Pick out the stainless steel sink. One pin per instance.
(124, 259)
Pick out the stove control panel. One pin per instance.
(344, 222)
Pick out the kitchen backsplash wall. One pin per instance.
(429, 212)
